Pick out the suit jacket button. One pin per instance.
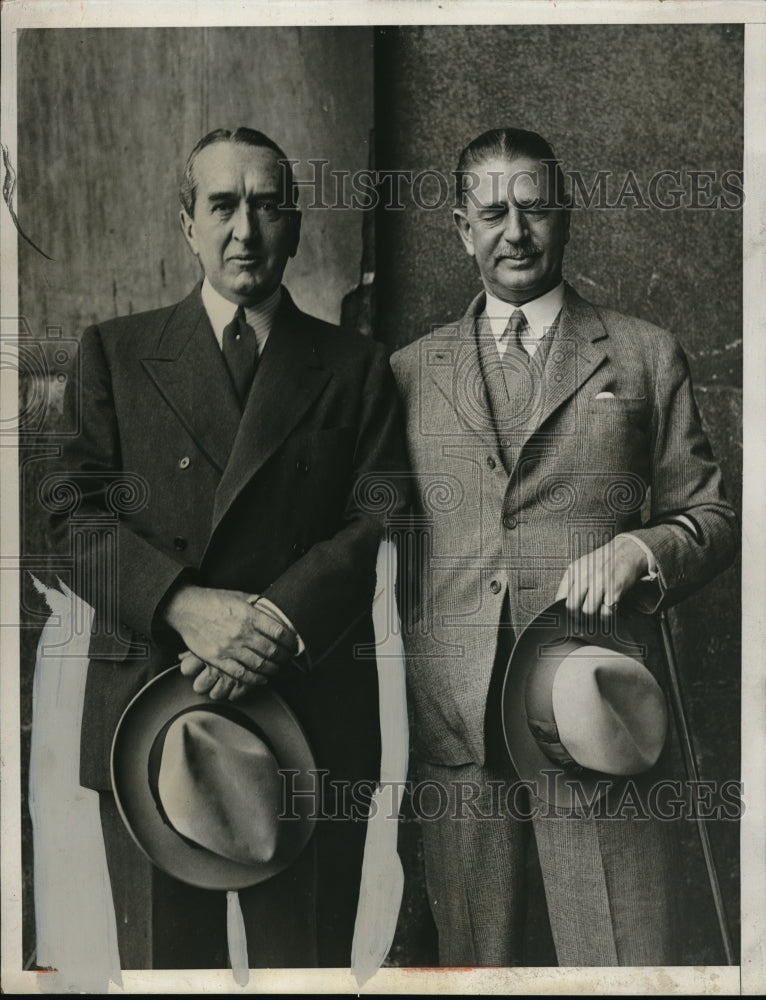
(184, 463)
(491, 462)
(510, 521)
(495, 587)
(180, 543)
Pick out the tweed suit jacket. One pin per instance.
(611, 443)
(270, 500)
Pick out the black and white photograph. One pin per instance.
(381, 425)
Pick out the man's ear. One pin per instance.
(296, 224)
(464, 228)
(187, 228)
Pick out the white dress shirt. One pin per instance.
(540, 315)
(221, 312)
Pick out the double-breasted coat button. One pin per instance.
(184, 463)
(302, 466)
(495, 587)
(509, 521)
(491, 462)
(180, 543)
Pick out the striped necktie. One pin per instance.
(516, 330)
(515, 362)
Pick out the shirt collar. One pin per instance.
(221, 311)
(540, 313)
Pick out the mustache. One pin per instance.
(520, 252)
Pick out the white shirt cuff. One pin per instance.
(651, 562)
(270, 606)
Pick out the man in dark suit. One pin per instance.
(247, 429)
(564, 447)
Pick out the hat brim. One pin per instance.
(628, 632)
(147, 714)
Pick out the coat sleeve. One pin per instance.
(119, 573)
(327, 590)
(692, 531)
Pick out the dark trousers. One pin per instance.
(302, 918)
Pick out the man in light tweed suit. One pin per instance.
(557, 453)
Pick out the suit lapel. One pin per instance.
(289, 378)
(575, 353)
(453, 363)
(189, 371)
(572, 356)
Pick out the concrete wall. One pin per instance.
(615, 98)
(106, 121)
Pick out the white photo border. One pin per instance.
(750, 977)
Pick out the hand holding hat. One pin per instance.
(210, 681)
(596, 582)
(231, 632)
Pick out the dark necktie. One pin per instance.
(240, 352)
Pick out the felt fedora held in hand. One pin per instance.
(218, 795)
(580, 703)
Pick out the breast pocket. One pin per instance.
(617, 438)
(618, 406)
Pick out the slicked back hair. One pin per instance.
(246, 137)
(509, 144)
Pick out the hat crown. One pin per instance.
(598, 703)
(219, 786)
(608, 709)
(636, 708)
(252, 756)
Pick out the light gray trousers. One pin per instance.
(609, 882)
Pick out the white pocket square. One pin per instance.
(605, 395)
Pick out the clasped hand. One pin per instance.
(233, 642)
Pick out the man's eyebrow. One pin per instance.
(530, 202)
(234, 195)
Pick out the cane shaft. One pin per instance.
(692, 773)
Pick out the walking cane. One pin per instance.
(690, 764)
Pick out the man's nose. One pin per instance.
(245, 224)
(515, 225)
